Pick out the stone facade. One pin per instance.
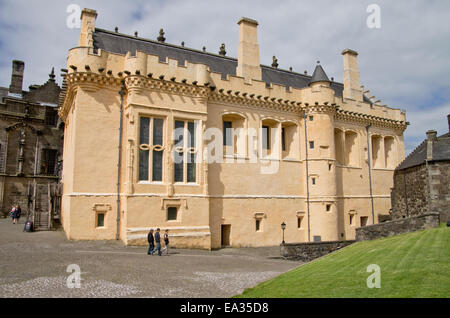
(439, 179)
(415, 200)
(422, 180)
(300, 151)
(400, 226)
(30, 147)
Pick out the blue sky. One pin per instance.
(405, 63)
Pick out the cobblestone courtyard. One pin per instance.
(35, 265)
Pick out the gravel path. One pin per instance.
(35, 265)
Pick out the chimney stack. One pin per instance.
(448, 120)
(431, 138)
(352, 84)
(88, 18)
(249, 65)
(18, 68)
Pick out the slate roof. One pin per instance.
(441, 152)
(319, 75)
(121, 44)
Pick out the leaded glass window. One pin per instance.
(151, 149)
(185, 152)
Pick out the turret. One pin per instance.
(319, 120)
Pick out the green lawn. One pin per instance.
(412, 265)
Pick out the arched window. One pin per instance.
(269, 134)
(289, 140)
(339, 146)
(389, 152)
(234, 134)
(377, 160)
(351, 148)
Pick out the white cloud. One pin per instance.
(405, 63)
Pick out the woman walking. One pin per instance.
(12, 213)
(16, 214)
(166, 241)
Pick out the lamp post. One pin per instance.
(283, 227)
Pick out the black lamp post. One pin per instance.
(283, 227)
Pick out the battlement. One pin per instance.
(232, 78)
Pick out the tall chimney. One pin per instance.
(249, 65)
(448, 120)
(352, 84)
(431, 138)
(88, 18)
(17, 77)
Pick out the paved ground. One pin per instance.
(35, 265)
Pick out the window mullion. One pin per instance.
(150, 155)
(185, 151)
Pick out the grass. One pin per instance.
(413, 265)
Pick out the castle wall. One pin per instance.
(256, 182)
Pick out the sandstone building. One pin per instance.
(422, 180)
(220, 151)
(30, 148)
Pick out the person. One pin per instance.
(151, 242)
(12, 214)
(17, 214)
(158, 242)
(166, 242)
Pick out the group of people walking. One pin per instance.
(15, 213)
(156, 238)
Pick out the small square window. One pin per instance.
(364, 220)
(311, 144)
(172, 214)
(313, 181)
(258, 225)
(101, 220)
(299, 222)
(311, 118)
(328, 207)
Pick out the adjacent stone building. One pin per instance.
(422, 180)
(220, 151)
(31, 138)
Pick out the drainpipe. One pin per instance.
(307, 179)
(122, 94)
(370, 171)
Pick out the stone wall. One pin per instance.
(439, 180)
(415, 201)
(396, 227)
(308, 251)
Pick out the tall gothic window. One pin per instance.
(151, 149)
(48, 162)
(185, 152)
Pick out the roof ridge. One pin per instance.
(164, 44)
(411, 153)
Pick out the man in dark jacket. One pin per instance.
(151, 242)
(158, 242)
